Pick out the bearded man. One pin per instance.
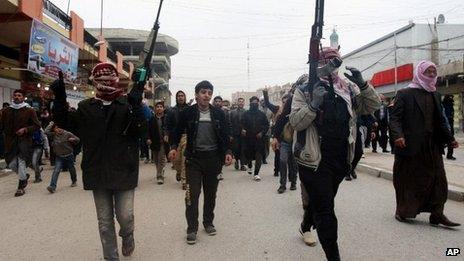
(109, 127)
(420, 132)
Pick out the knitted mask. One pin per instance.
(105, 80)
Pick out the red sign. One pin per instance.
(404, 73)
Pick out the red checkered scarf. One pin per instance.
(105, 80)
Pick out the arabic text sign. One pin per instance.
(50, 52)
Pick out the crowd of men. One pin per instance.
(317, 136)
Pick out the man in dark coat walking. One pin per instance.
(420, 131)
(254, 127)
(18, 122)
(109, 127)
(158, 141)
(236, 117)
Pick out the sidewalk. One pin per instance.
(381, 165)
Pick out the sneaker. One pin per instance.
(51, 189)
(160, 180)
(210, 230)
(451, 158)
(191, 238)
(281, 189)
(256, 177)
(308, 238)
(243, 168)
(293, 186)
(74, 184)
(220, 177)
(250, 170)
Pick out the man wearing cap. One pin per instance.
(207, 151)
(109, 127)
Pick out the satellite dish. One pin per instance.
(441, 19)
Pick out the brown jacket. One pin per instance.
(11, 121)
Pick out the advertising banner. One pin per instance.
(50, 52)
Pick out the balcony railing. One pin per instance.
(57, 14)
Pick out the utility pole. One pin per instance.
(67, 10)
(248, 64)
(396, 63)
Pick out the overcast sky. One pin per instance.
(213, 34)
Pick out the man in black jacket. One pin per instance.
(157, 140)
(237, 143)
(207, 150)
(254, 126)
(381, 131)
(172, 120)
(109, 127)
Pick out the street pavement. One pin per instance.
(454, 168)
(253, 222)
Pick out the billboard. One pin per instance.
(50, 52)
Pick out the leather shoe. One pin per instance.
(442, 219)
(400, 218)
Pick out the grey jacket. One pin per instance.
(61, 146)
(302, 119)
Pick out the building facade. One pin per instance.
(130, 43)
(389, 62)
(37, 30)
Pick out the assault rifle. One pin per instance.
(314, 45)
(148, 49)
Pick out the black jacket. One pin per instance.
(235, 121)
(109, 137)
(254, 122)
(172, 118)
(407, 121)
(188, 123)
(157, 138)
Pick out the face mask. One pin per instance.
(254, 106)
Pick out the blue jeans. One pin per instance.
(287, 164)
(61, 162)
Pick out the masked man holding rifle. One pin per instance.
(109, 127)
(326, 118)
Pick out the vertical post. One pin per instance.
(101, 20)
(248, 64)
(67, 10)
(396, 63)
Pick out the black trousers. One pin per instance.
(201, 170)
(322, 186)
(237, 150)
(358, 151)
(276, 161)
(449, 154)
(381, 137)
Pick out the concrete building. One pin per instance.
(77, 48)
(276, 92)
(389, 61)
(130, 44)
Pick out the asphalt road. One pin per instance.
(253, 222)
